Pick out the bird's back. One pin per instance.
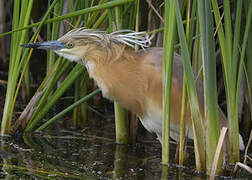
(152, 68)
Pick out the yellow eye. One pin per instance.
(70, 45)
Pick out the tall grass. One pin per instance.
(199, 142)
(190, 15)
(232, 64)
(248, 77)
(169, 33)
(209, 79)
(16, 60)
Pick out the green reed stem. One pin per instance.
(248, 69)
(230, 61)
(109, 4)
(54, 35)
(121, 114)
(199, 142)
(168, 55)
(68, 109)
(248, 28)
(15, 55)
(210, 86)
(76, 72)
(184, 96)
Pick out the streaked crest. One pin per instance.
(127, 37)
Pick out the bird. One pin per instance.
(132, 78)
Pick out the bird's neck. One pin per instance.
(103, 56)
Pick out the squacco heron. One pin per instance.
(134, 79)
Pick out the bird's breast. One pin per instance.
(91, 68)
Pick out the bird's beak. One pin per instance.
(47, 45)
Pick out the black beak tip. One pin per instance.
(24, 45)
(29, 45)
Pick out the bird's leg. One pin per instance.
(133, 127)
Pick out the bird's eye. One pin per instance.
(70, 45)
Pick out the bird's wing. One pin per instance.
(154, 56)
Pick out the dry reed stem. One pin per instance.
(244, 166)
(154, 9)
(28, 111)
(218, 26)
(246, 150)
(217, 152)
(3, 82)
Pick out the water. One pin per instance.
(90, 153)
(75, 155)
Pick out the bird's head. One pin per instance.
(81, 45)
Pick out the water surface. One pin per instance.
(88, 153)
